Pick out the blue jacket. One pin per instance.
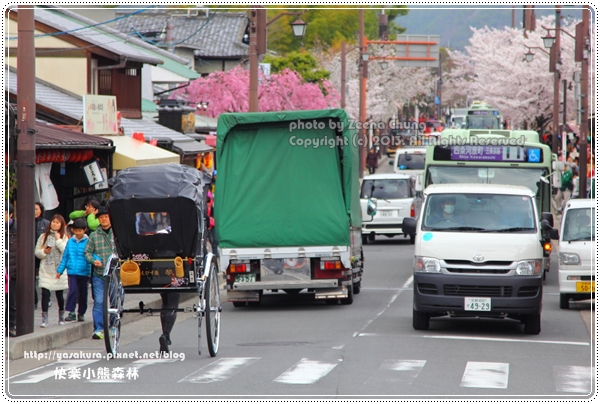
(74, 258)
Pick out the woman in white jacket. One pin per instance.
(49, 249)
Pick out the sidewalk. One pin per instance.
(55, 336)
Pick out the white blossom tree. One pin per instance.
(387, 89)
(493, 69)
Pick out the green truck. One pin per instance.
(287, 207)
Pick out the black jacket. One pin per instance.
(10, 243)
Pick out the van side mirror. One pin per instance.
(546, 226)
(371, 206)
(549, 218)
(419, 183)
(409, 225)
(554, 234)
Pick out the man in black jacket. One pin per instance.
(10, 245)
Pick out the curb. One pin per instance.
(53, 337)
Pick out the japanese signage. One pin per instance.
(100, 114)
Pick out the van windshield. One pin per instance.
(479, 213)
(579, 225)
(411, 161)
(386, 189)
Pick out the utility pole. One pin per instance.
(583, 53)
(557, 62)
(363, 93)
(383, 25)
(25, 168)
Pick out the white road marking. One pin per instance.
(485, 375)
(408, 282)
(133, 365)
(221, 369)
(305, 372)
(457, 337)
(392, 300)
(52, 370)
(402, 370)
(574, 379)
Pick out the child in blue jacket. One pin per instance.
(79, 271)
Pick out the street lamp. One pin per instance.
(384, 65)
(258, 45)
(548, 41)
(529, 56)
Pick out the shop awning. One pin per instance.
(130, 152)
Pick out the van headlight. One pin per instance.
(529, 267)
(425, 264)
(568, 259)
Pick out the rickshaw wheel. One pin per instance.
(113, 308)
(213, 309)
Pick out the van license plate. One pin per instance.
(387, 213)
(585, 287)
(243, 278)
(478, 304)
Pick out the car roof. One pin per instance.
(478, 188)
(388, 176)
(580, 203)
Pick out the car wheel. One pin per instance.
(533, 324)
(564, 301)
(420, 320)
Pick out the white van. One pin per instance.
(478, 253)
(394, 197)
(409, 160)
(576, 251)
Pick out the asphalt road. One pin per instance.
(295, 347)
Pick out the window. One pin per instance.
(151, 223)
(579, 224)
(386, 189)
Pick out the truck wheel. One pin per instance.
(564, 301)
(420, 320)
(365, 239)
(356, 287)
(350, 297)
(533, 324)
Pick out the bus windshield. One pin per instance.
(483, 122)
(528, 177)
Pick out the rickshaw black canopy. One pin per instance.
(176, 189)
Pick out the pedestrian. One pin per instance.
(49, 250)
(10, 245)
(566, 187)
(41, 224)
(97, 252)
(372, 161)
(88, 212)
(79, 271)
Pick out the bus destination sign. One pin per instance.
(495, 153)
(482, 112)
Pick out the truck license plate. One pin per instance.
(478, 304)
(585, 287)
(387, 213)
(243, 278)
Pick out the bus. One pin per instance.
(481, 116)
(493, 157)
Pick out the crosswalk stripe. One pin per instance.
(306, 372)
(485, 375)
(402, 370)
(221, 369)
(133, 367)
(53, 370)
(574, 379)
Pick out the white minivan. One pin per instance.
(409, 160)
(394, 196)
(576, 252)
(478, 253)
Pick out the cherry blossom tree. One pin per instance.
(228, 92)
(387, 89)
(493, 69)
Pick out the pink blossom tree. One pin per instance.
(285, 91)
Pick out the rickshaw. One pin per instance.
(158, 216)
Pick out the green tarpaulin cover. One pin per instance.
(286, 179)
